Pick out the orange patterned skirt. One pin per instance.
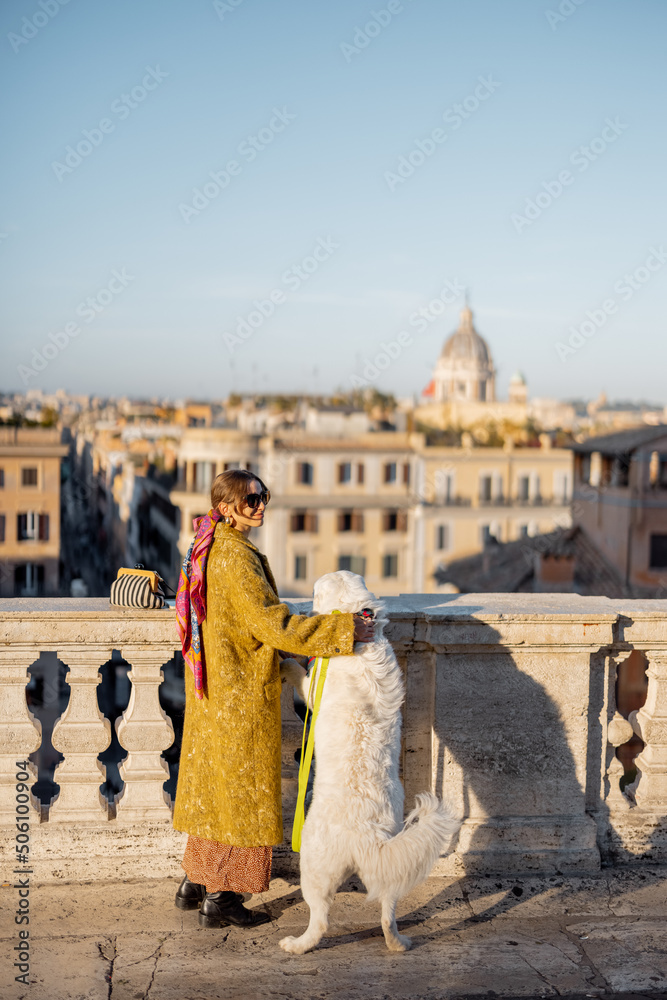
(221, 867)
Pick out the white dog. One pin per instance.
(355, 822)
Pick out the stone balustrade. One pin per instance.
(510, 713)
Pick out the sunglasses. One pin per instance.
(253, 500)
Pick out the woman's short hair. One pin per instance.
(233, 486)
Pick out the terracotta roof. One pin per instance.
(510, 567)
(622, 442)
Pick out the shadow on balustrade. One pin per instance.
(48, 694)
(113, 698)
(503, 752)
(631, 690)
(172, 701)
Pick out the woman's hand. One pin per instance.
(364, 629)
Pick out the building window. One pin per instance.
(204, 474)
(485, 489)
(2, 479)
(442, 536)
(394, 520)
(662, 473)
(29, 477)
(26, 527)
(490, 534)
(299, 567)
(523, 531)
(389, 565)
(298, 521)
(523, 488)
(231, 465)
(444, 486)
(389, 472)
(344, 472)
(2, 527)
(303, 520)
(350, 520)
(585, 468)
(561, 487)
(32, 526)
(360, 472)
(354, 564)
(620, 470)
(304, 473)
(658, 559)
(28, 580)
(406, 473)
(389, 520)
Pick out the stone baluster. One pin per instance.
(20, 731)
(81, 733)
(144, 730)
(650, 724)
(619, 731)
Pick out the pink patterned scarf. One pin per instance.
(191, 596)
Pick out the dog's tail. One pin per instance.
(406, 859)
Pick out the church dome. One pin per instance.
(465, 344)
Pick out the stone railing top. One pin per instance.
(405, 605)
(513, 619)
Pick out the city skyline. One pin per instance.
(328, 180)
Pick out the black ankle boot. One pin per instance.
(222, 908)
(190, 894)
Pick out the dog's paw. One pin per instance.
(292, 945)
(399, 943)
(292, 672)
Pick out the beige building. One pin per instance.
(382, 504)
(29, 511)
(475, 495)
(620, 501)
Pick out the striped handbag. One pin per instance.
(137, 588)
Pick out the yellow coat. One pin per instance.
(229, 786)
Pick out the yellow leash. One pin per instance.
(307, 749)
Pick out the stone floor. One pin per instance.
(493, 937)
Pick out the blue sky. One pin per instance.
(182, 87)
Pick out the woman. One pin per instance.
(229, 791)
